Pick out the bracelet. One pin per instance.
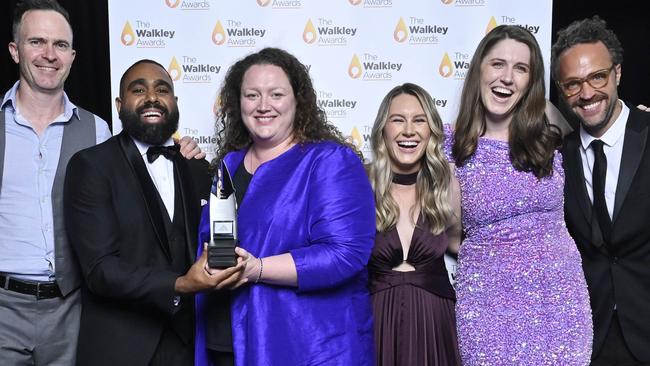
(259, 275)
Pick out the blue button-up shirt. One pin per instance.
(30, 163)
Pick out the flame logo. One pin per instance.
(355, 69)
(309, 34)
(447, 2)
(401, 32)
(356, 138)
(263, 2)
(218, 34)
(355, 2)
(446, 67)
(491, 25)
(174, 69)
(172, 4)
(128, 35)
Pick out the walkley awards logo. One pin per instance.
(145, 35)
(192, 70)
(327, 33)
(281, 4)
(334, 106)
(371, 67)
(418, 31)
(360, 137)
(492, 23)
(532, 28)
(456, 68)
(372, 3)
(207, 143)
(188, 4)
(236, 34)
(465, 3)
(439, 102)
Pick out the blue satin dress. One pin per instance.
(315, 202)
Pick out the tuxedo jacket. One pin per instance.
(116, 227)
(617, 272)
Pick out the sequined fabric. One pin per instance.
(522, 295)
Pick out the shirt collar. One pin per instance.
(613, 134)
(143, 147)
(69, 108)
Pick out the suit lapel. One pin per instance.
(636, 134)
(183, 179)
(148, 190)
(575, 175)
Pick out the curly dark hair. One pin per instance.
(589, 30)
(310, 122)
(532, 139)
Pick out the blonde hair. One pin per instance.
(433, 182)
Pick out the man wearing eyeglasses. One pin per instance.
(607, 200)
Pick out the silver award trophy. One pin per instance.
(223, 222)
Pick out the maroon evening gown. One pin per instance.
(415, 322)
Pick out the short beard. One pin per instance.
(150, 133)
(600, 125)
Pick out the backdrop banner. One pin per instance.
(356, 50)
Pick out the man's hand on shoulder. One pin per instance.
(190, 148)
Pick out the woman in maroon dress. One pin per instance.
(418, 211)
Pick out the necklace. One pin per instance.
(405, 179)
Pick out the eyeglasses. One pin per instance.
(597, 79)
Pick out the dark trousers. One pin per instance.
(614, 351)
(172, 351)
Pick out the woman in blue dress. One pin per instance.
(306, 220)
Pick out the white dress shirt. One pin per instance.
(162, 174)
(613, 148)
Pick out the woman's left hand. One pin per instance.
(249, 261)
(253, 265)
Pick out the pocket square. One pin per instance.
(203, 202)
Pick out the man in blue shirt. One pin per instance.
(40, 129)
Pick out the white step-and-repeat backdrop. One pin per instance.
(356, 50)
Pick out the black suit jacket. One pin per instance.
(115, 226)
(618, 272)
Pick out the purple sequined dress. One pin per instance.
(521, 293)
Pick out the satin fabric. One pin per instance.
(415, 322)
(426, 254)
(315, 202)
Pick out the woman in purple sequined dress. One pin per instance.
(521, 293)
(418, 217)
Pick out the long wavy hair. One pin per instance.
(310, 122)
(433, 182)
(532, 139)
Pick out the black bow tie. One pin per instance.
(168, 152)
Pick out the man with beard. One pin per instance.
(40, 129)
(607, 205)
(132, 209)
